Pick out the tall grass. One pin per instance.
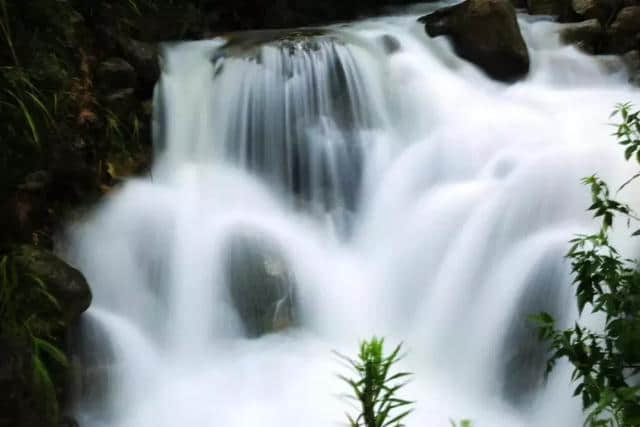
(5, 27)
(24, 301)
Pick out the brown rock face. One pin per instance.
(627, 20)
(624, 32)
(485, 32)
(587, 35)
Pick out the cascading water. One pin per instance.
(315, 187)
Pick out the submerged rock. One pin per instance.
(261, 285)
(632, 62)
(389, 43)
(92, 364)
(485, 32)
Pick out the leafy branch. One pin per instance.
(606, 363)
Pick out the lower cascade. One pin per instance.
(314, 187)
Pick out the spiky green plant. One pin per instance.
(375, 387)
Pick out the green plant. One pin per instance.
(375, 387)
(19, 293)
(463, 423)
(5, 27)
(606, 363)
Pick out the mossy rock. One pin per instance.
(65, 283)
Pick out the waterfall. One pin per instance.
(314, 187)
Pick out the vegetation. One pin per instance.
(606, 362)
(28, 314)
(375, 387)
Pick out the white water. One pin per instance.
(410, 196)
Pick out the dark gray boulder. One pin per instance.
(261, 286)
(485, 32)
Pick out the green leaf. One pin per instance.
(42, 346)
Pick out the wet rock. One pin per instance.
(261, 285)
(92, 364)
(144, 58)
(64, 282)
(14, 367)
(632, 62)
(116, 73)
(485, 32)
(35, 182)
(627, 20)
(602, 10)
(389, 43)
(624, 32)
(587, 35)
(122, 101)
(559, 8)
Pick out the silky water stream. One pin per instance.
(315, 187)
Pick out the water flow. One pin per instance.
(314, 187)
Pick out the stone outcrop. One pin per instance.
(485, 32)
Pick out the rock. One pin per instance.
(92, 365)
(115, 73)
(624, 32)
(587, 35)
(632, 62)
(64, 282)
(485, 32)
(145, 59)
(261, 285)
(602, 10)
(122, 101)
(14, 367)
(559, 8)
(36, 182)
(389, 43)
(627, 20)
